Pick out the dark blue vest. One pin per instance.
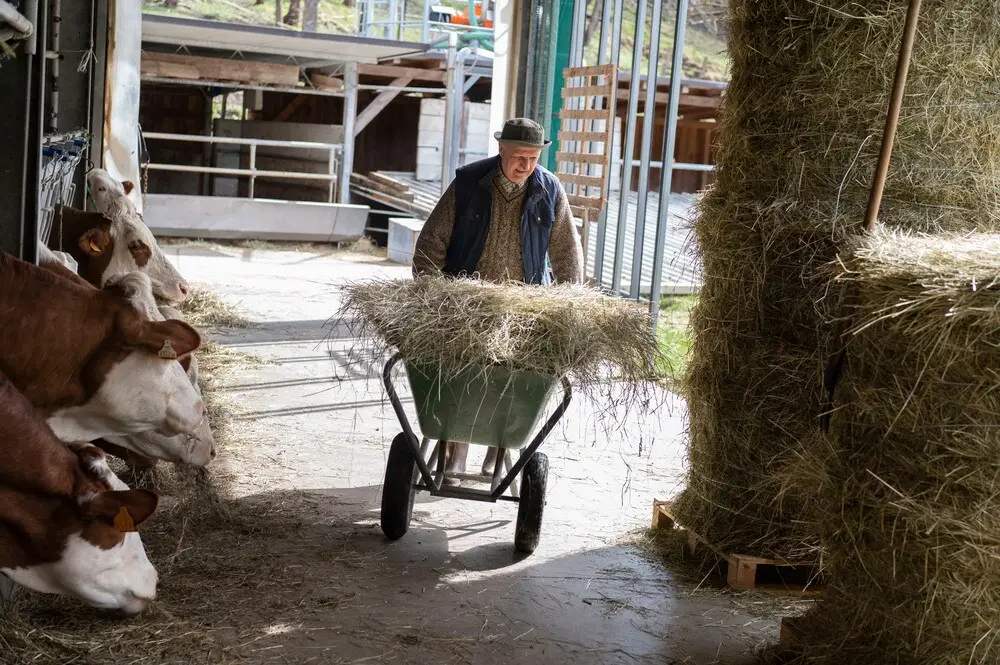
(474, 207)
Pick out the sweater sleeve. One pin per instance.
(432, 243)
(565, 249)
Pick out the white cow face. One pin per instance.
(128, 240)
(143, 387)
(99, 565)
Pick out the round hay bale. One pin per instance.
(801, 129)
(904, 492)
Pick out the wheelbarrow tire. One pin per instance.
(397, 489)
(534, 479)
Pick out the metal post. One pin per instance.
(425, 30)
(253, 167)
(645, 144)
(350, 114)
(602, 57)
(577, 47)
(369, 16)
(449, 114)
(676, 71)
(629, 148)
(457, 119)
(332, 172)
(392, 25)
(616, 33)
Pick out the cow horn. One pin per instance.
(167, 352)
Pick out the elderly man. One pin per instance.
(502, 218)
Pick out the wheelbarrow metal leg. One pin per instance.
(397, 406)
(497, 469)
(537, 441)
(508, 465)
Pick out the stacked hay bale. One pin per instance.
(906, 489)
(801, 131)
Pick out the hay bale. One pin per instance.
(904, 491)
(800, 133)
(456, 324)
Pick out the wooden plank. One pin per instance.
(696, 101)
(179, 65)
(324, 82)
(376, 105)
(593, 137)
(389, 181)
(583, 114)
(415, 73)
(585, 180)
(581, 158)
(292, 107)
(594, 70)
(587, 91)
(585, 201)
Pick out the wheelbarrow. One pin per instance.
(490, 406)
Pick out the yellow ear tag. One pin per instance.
(94, 248)
(167, 352)
(123, 521)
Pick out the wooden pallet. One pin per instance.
(583, 147)
(742, 571)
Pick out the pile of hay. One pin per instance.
(905, 490)
(456, 324)
(205, 308)
(801, 130)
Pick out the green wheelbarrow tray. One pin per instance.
(490, 406)
(486, 406)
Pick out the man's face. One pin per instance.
(518, 163)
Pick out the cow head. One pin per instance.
(134, 380)
(80, 539)
(124, 243)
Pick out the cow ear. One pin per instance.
(170, 339)
(125, 509)
(128, 186)
(95, 241)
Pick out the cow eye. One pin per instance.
(135, 245)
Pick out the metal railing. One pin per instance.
(334, 151)
(61, 156)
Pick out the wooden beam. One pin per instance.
(697, 101)
(292, 107)
(380, 102)
(415, 73)
(324, 82)
(178, 65)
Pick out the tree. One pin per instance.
(309, 15)
(292, 16)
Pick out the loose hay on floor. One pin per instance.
(455, 324)
(904, 492)
(798, 144)
(204, 308)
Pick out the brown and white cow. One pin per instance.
(197, 449)
(105, 247)
(90, 361)
(66, 521)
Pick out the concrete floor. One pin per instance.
(451, 590)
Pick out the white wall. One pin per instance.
(503, 73)
(120, 152)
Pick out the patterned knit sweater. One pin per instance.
(501, 257)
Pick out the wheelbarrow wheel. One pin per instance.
(534, 479)
(397, 489)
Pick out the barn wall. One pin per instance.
(175, 110)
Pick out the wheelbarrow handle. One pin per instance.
(397, 406)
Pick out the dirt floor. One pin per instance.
(275, 555)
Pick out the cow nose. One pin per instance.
(183, 288)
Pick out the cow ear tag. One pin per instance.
(123, 521)
(167, 352)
